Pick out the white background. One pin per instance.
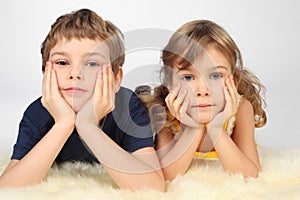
(267, 33)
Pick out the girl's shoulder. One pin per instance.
(244, 106)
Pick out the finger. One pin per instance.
(179, 100)
(53, 83)
(232, 87)
(97, 84)
(169, 101)
(111, 84)
(184, 105)
(107, 87)
(227, 95)
(105, 82)
(44, 81)
(175, 90)
(231, 91)
(47, 80)
(229, 107)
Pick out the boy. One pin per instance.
(84, 114)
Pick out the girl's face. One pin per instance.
(77, 63)
(204, 83)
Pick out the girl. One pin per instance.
(212, 102)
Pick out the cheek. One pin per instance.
(60, 76)
(91, 80)
(217, 93)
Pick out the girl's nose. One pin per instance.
(202, 89)
(203, 94)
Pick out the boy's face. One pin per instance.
(204, 82)
(77, 63)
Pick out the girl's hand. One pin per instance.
(177, 103)
(231, 98)
(216, 126)
(103, 100)
(52, 100)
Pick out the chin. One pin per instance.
(204, 121)
(77, 104)
(76, 107)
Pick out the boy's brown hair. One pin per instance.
(81, 24)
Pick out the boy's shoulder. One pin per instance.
(124, 91)
(126, 98)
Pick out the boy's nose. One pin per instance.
(77, 77)
(75, 73)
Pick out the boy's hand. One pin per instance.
(178, 103)
(103, 100)
(52, 99)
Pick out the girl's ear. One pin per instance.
(118, 79)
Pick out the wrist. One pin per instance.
(85, 123)
(215, 134)
(67, 126)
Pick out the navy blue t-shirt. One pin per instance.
(128, 125)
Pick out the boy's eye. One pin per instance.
(215, 76)
(92, 64)
(188, 77)
(61, 62)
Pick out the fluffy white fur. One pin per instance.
(280, 179)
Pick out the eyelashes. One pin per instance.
(212, 76)
(92, 64)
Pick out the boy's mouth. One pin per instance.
(74, 90)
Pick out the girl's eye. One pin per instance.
(61, 63)
(215, 76)
(92, 64)
(188, 77)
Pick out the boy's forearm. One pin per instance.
(34, 167)
(121, 165)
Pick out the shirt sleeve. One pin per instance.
(132, 118)
(35, 123)
(28, 136)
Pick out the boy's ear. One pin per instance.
(118, 79)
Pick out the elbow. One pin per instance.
(1, 182)
(161, 187)
(253, 173)
(170, 175)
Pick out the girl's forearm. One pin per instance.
(178, 159)
(233, 159)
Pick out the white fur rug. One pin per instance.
(280, 179)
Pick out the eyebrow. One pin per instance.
(220, 67)
(85, 55)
